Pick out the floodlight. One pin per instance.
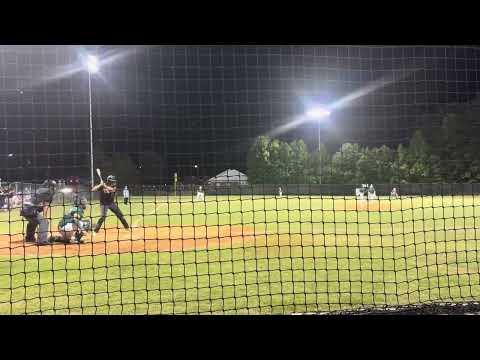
(318, 113)
(92, 64)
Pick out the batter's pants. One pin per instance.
(114, 208)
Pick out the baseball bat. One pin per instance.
(99, 173)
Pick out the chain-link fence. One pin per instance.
(307, 190)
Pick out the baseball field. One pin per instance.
(249, 255)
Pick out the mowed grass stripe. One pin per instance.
(279, 280)
(316, 259)
(447, 212)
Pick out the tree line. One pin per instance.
(448, 156)
(146, 168)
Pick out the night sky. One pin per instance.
(206, 104)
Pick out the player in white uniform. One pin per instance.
(126, 195)
(372, 194)
(394, 193)
(200, 194)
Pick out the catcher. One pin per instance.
(107, 201)
(71, 227)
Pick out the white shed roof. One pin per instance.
(229, 176)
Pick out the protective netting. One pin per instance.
(246, 179)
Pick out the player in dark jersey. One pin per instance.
(107, 201)
(35, 212)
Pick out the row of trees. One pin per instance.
(148, 168)
(447, 157)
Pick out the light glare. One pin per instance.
(318, 113)
(92, 64)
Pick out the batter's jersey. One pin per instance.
(106, 198)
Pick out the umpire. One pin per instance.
(35, 212)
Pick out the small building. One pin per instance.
(229, 177)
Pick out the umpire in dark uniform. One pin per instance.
(35, 212)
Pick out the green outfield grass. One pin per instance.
(424, 249)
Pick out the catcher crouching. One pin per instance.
(72, 227)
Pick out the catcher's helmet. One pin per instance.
(77, 210)
(111, 180)
(80, 202)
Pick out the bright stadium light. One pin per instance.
(197, 169)
(318, 113)
(92, 64)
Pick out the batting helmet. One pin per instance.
(77, 210)
(111, 180)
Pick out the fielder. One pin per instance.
(280, 192)
(107, 201)
(394, 193)
(3, 199)
(35, 212)
(71, 227)
(126, 195)
(200, 194)
(361, 192)
(372, 194)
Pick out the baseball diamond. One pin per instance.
(264, 239)
(239, 179)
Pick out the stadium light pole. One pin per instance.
(196, 167)
(9, 156)
(92, 68)
(319, 113)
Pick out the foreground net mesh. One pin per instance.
(261, 179)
